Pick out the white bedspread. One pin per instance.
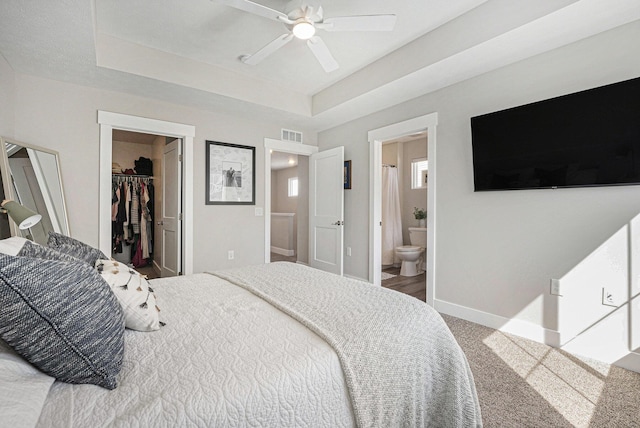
(401, 362)
(226, 358)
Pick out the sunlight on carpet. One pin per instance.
(571, 389)
(386, 275)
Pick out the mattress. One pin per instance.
(225, 358)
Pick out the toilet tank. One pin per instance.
(418, 236)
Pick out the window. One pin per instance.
(293, 187)
(419, 170)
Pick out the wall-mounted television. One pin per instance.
(588, 138)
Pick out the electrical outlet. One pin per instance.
(555, 287)
(231, 255)
(259, 212)
(608, 298)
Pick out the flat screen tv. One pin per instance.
(589, 138)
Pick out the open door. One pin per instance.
(171, 247)
(326, 210)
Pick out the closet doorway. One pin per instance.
(147, 202)
(175, 175)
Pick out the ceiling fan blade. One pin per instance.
(359, 23)
(321, 51)
(267, 50)
(255, 8)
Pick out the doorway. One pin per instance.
(109, 122)
(303, 152)
(404, 200)
(428, 124)
(289, 202)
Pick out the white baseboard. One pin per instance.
(518, 327)
(282, 251)
(630, 361)
(302, 263)
(521, 328)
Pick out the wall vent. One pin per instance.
(293, 136)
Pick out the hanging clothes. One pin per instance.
(391, 215)
(131, 216)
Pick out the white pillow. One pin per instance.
(12, 246)
(134, 294)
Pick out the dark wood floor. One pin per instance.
(415, 286)
(149, 271)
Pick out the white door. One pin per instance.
(171, 208)
(326, 210)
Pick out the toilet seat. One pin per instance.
(408, 248)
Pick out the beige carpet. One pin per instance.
(522, 383)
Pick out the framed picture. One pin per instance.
(231, 178)
(347, 174)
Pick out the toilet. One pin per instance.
(412, 256)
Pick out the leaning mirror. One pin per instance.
(31, 177)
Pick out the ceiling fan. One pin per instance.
(302, 20)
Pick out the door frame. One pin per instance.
(109, 121)
(375, 137)
(277, 146)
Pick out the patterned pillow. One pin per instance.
(134, 294)
(62, 318)
(75, 248)
(33, 250)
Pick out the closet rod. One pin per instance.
(132, 175)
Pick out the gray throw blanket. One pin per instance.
(402, 365)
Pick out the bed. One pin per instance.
(276, 345)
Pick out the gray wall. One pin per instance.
(63, 117)
(496, 251)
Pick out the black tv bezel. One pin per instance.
(592, 92)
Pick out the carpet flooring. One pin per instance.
(522, 383)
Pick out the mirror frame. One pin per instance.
(9, 192)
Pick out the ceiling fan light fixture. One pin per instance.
(303, 30)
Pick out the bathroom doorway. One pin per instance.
(403, 196)
(376, 137)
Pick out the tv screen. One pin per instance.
(589, 138)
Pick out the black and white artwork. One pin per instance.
(230, 174)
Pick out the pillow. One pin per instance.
(75, 248)
(62, 318)
(134, 294)
(33, 250)
(12, 245)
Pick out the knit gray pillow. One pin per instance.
(33, 250)
(75, 248)
(62, 318)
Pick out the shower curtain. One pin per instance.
(391, 216)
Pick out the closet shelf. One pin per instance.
(132, 175)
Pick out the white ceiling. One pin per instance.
(187, 52)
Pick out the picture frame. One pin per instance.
(347, 174)
(230, 174)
